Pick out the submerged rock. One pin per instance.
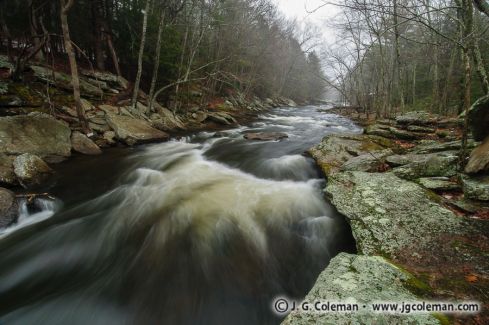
(388, 214)
(31, 170)
(133, 131)
(82, 144)
(479, 159)
(9, 209)
(335, 150)
(476, 188)
(361, 280)
(266, 136)
(37, 133)
(479, 118)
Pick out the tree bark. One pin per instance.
(140, 56)
(157, 59)
(75, 80)
(481, 67)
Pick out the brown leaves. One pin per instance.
(472, 278)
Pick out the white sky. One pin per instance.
(301, 10)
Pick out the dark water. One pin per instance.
(204, 230)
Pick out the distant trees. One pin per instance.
(164, 45)
(420, 54)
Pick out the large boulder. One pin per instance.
(388, 214)
(438, 184)
(479, 159)
(37, 133)
(369, 162)
(417, 118)
(31, 170)
(476, 188)
(9, 209)
(266, 136)
(361, 280)
(443, 164)
(132, 131)
(82, 144)
(335, 150)
(479, 118)
(7, 175)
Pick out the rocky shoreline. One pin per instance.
(39, 125)
(420, 225)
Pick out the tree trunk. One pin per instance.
(481, 67)
(65, 8)
(140, 56)
(156, 60)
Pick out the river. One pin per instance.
(205, 229)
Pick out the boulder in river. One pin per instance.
(479, 159)
(476, 187)
(266, 136)
(133, 131)
(388, 214)
(9, 209)
(37, 133)
(361, 280)
(82, 144)
(479, 118)
(335, 150)
(31, 170)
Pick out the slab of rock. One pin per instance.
(476, 188)
(379, 130)
(479, 118)
(222, 118)
(82, 144)
(388, 214)
(435, 165)
(9, 209)
(479, 159)
(37, 133)
(361, 280)
(417, 118)
(133, 131)
(404, 135)
(7, 175)
(421, 129)
(438, 183)
(266, 136)
(31, 170)
(436, 146)
(335, 150)
(368, 162)
(63, 81)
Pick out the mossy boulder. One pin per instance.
(434, 165)
(362, 280)
(335, 150)
(132, 131)
(31, 171)
(479, 159)
(417, 118)
(36, 133)
(479, 118)
(7, 175)
(476, 187)
(387, 213)
(9, 209)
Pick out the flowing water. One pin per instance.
(206, 229)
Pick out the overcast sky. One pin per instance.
(301, 9)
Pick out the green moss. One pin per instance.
(444, 320)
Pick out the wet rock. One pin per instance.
(7, 175)
(82, 144)
(479, 118)
(37, 133)
(438, 183)
(476, 188)
(9, 209)
(479, 159)
(420, 129)
(336, 150)
(369, 162)
(436, 165)
(133, 131)
(388, 214)
(266, 136)
(31, 170)
(362, 280)
(417, 118)
(63, 81)
(404, 135)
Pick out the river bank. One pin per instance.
(421, 226)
